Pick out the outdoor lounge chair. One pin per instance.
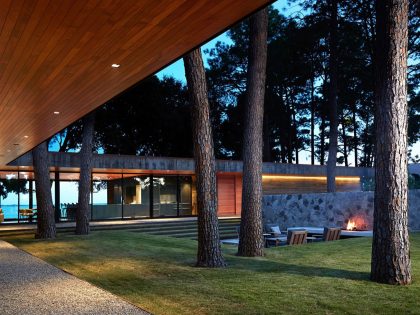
(331, 234)
(276, 236)
(296, 237)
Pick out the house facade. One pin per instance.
(132, 187)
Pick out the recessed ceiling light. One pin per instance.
(56, 113)
(26, 137)
(115, 65)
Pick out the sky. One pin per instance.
(176, 69)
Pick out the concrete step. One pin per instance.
(163, 228)
(172, 232)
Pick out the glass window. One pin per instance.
(136, 196)
(165, 196)
(185, 195)
(107, 193)
(69, 195)
(27, 195)
(9, 184)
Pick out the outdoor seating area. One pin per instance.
(273, 236)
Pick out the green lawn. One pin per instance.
(157, 274)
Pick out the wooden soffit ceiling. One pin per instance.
(56, 56)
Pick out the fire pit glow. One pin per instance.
(351, 225)
(356, 223)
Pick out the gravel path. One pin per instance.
(29, 285)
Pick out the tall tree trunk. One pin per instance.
(390, 247)
(322, 141)
(46, 221)
(355, 140)
(209, 252)
(312, 120)
(290, 128)
(344, 135)
(332, 99)
(366, 140)
(251, 233)
(83, 209)
(283, 153)
(295, 131)
(267, 146)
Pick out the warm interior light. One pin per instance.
(56, 113)
(26, 137)
(115, 65)
(321, 178)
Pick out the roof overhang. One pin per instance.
(56, 56)
(109, 163)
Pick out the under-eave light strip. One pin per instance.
(320, 178)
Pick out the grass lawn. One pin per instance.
(158, 274)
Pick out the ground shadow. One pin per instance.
(264, 265)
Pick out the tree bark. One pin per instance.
(312, 120)
(322, 141)
(83, 209)
(344, 135)
(251, 234)
(267, 143)
(45, 210)
(390, 248)
(332, 100)
(355, 139)
(209, 252)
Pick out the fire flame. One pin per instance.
(351, 225)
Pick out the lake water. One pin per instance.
(11, 211)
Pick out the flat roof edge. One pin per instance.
(67, 160)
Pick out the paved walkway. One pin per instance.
(29, 285)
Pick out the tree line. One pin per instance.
(296, 104)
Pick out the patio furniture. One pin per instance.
(273, 235)
(331, 234)
(71, 209)
(296, 237)
(26, 214)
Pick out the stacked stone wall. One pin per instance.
(330, 209)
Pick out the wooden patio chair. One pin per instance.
(295, 237)
(331, 234)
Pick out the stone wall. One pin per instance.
(330, 209)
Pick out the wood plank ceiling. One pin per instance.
(56, 56)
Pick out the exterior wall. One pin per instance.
(226, 195)
(334, 209)
(238, 186)
(229, 188)
(274, 185)
(229, 193)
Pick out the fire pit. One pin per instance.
(356, 224)
(351, 226)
